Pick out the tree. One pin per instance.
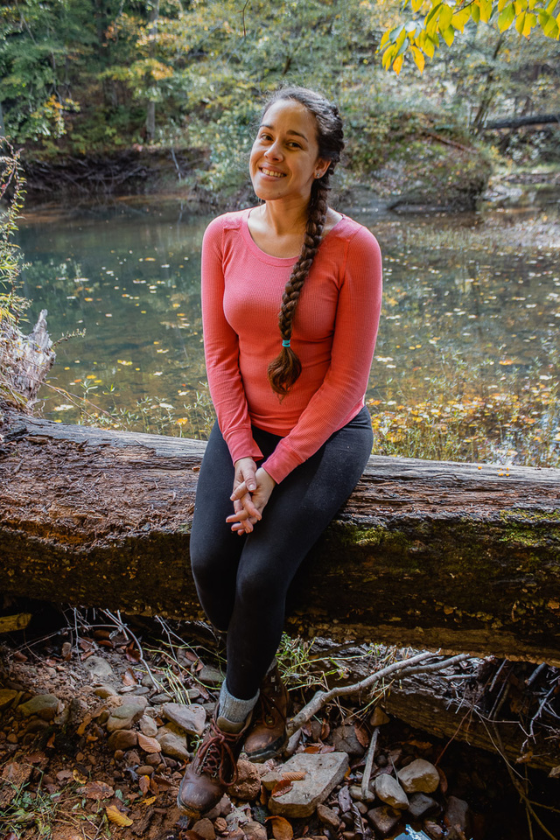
(444, 18)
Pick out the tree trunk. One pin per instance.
(430, 554)
(151, 107)
(519, 122)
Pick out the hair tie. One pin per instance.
(286, 343)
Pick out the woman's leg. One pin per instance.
(298, 512)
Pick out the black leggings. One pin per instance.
(242, 582)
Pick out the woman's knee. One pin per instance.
(258, 587)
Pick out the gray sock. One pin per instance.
(272, 666)
(234, 709)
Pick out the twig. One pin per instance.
(128, 632)
(402, 668)
(369, 762)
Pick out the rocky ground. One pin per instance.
(98, 722)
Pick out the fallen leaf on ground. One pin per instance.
(362, 735)
(149, 801)
(83, 725)
(281, 828)
(144, 784)
(293, 775)
(96, 790)
(281, 788)
(129, 678)
(115, 816)
(77, 776)
(149, 745)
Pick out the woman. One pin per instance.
(292, 436)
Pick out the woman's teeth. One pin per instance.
(272, 173)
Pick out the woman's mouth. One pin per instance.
(271, 172)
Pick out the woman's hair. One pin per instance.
(286, 367)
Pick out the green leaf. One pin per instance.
(506, 18)
(448, 35)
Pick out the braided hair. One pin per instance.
(285, 369)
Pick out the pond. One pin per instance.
(462, 293)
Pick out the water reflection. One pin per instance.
(128, 274)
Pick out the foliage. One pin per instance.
(421, 37)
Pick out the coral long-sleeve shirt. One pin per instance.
(334, 332)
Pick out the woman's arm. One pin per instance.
(221, 349)
(357, 319)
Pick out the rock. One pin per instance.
(328, 817)
(383, 819)
(159, 699)
(189, 718)
(210, 675)
(248, 784)
(456, 818)
(123, 717)
(419, 775)
(104, 691)
(133, 758)
(220, 825)
(148, 726)
(122, 739)
(222, 809)
(344, 740)
(155, 760)
(355, 792)
(149, 745)
(433, 830)
(144, 770)
(173, 745)
(323, 772)
(421, 805)
(205, 829)
(390, 792)
(98, 667)
(44, 706)
(253, 830)
(379, 717)
(6, 697)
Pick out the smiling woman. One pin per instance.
(291, 295)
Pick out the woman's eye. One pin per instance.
(294, 144)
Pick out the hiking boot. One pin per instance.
(267, 737)
(214, 768)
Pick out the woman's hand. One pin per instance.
(249, 504)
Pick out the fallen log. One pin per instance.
(427, 554)
(519, 122)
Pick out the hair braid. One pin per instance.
(286, 367)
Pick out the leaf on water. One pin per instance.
(281, 788)
(281, 828)
(115, 816)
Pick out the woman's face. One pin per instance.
(285, 155)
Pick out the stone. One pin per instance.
(248, 784)
(384, 819)
(421, 805)
(253, 830)
(210, 675)
(7, 695)
(390, 792)
(98, 667)
(144, 770)
(123, 717)
(323, 772)
(222, 809)
(148, 726)
(105, 691)
(189, 718)
(205, 829)
(344, 740)
(419, 775)
(379, 717)
(328, 817)
(133, 758)
(149, 745)
(355, 792)
(44, 706)
(122, 739)
(456, 818)
(173, 745)
(433, 830)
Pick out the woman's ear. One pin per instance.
(321, 167)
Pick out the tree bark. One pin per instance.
(519, 122)
(429, 554)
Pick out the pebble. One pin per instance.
(323, 773)
(123, 739)
(433, 830)
(44, 706)
(7, 695)
(220, 825)
(123, 717)
(379, 717)
(344, 740)
(248, 784)
(389, 791)
(253, 830)
(155, 760)
(210, 675)
(148, 726)
(419, 775)
(98, 667)
(189, 718)
(456, 818)
(104, 691)
(173, 744)
(383, 819)
(205, 829)
(12, 738)
(144, 770)
(355, 792)
(421, 805)
(328, 817)
(159, 699)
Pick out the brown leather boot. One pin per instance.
(214, 768)
(267, 737)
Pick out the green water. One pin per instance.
(458, 291)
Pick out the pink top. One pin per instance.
(334, 332)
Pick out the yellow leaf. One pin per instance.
(520, 23)
(385, 38)
(398, 63)
(460, 20)
(428, 47)
(115, 816)
(506, 18)
(418, 58)
(444, 18)
(149, 801)
(448, 35)
(485, 10)
(416, 4)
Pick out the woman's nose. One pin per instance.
(274, 152)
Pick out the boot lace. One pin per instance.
(215, 752)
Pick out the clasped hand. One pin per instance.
(251, 491)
